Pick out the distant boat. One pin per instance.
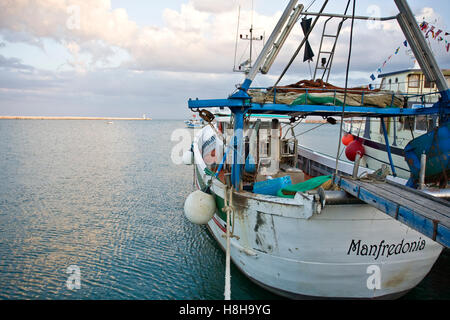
(194, 123)
(110, 122)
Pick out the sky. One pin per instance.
(126, 58)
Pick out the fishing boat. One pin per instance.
(273, 206)
(194, 123)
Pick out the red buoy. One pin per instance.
(347, 139)
(353, 149)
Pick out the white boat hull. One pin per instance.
(290, 248)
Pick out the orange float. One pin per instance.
(347, 139)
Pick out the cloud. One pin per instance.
(213, 6)
(13, 63)
(129, 69)
(191, 39)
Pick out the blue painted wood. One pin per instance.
(416, 221)
(321, 110)
(381, 204)
(443, 235)
(238, 160)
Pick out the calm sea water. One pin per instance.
(108, 199)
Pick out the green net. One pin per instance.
(289, 191)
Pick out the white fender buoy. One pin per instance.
(188, 157)
(199, 207)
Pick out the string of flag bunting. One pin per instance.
(437, 34)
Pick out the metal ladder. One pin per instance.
(327, 67)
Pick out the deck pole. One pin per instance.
(238, 145)
(423, 164)
(388, 147)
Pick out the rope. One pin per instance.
(377, 176)
(228, 208)
(292, 127)
(300, 45)
(309, 130)
(346, 87)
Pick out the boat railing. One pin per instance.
(421, 98)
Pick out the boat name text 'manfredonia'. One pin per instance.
(385, 249)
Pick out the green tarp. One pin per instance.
(310, 99)
(303, 186)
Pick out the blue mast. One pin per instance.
(243, 96)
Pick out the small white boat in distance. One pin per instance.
(194, 123)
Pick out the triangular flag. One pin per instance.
(430, 30)
(396, 51)
(405, 43)
(423, 26)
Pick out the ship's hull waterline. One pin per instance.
(289, 248)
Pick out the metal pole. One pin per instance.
(388, 147)
(260, 60)
(349, 16)
(423, 165)
(305, 38)
(356, 166)
(237, 153)
(227, 292)
(418, 45)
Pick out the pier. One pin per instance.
(420, 211)
(66, 118)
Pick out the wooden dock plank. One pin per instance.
(417, 198)
(411, 207)
(403, 201)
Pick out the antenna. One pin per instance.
(237, 36)
(246, 65)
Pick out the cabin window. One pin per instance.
(413, 80)
(421, 123)
(408, 123)
(427, 84)
(396, 80)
